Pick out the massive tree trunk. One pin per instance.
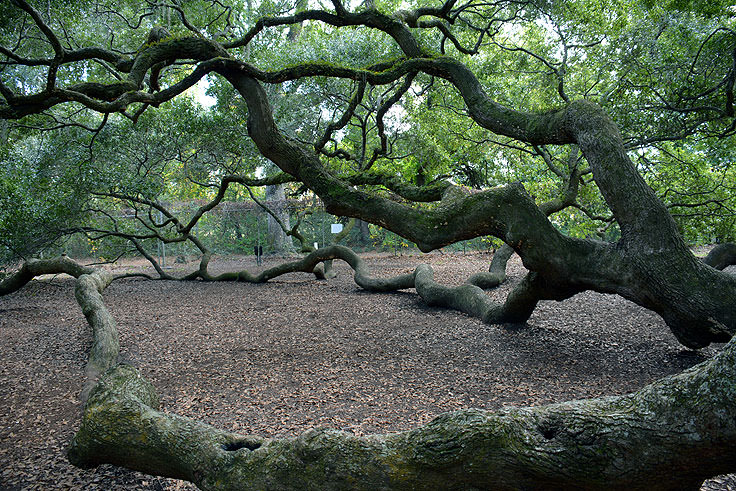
(672, 434)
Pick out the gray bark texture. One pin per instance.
(105, 348)
(277, 238)
(670, 435)
(37, 267)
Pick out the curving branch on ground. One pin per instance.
(37, 267)
(469, 298)
(721, 256)
(105, 348)
(496, 271)
(674, 433)
(308, 264)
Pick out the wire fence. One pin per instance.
(244, 228)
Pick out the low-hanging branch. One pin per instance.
(38, 267)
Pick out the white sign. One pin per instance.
(336, 228)
(316, 245)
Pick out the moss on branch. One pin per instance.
(671, 434)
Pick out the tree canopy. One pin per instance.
(440, 123)
(593, 138)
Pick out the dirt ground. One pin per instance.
(278, 358)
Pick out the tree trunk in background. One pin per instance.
(365, 233)
(275, 197)
(279, 242)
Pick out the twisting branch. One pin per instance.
(395, 97)
(680, 429)
(45, 29)
(721, 256)
(37, 267)
(645, 224)
(431, 192)
(340, 124)
(103, 354)
(143, 252)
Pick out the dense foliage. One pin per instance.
(664, 72)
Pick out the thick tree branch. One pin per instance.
(371, 18)
(651, 245)
(681, 429)
(37, 267)
(105, 348)
(721, 256)
(635, 268)
(431, 192)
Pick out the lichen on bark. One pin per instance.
(677, 431)
(671, 434)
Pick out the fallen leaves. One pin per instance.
(279, 358)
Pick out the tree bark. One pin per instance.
(277, 238)
(105, 348)
(672, 434)
(650, 265)
(496, 271)
(365, 233)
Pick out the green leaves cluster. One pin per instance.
(40, 194)
(659, 68)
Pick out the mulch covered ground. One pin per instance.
(295, 353)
